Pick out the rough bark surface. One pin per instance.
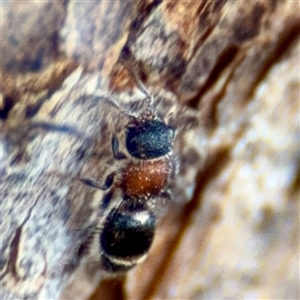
(224, 73)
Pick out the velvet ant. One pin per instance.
(128, 229)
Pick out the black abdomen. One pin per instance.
(127, 235)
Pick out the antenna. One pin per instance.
(126, 58)
(149, 113)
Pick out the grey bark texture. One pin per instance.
(226, 76)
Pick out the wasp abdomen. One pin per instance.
(126, 237)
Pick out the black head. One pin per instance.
(149, 139)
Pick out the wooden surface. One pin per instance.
(229, 72)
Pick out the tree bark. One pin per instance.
(228, 71)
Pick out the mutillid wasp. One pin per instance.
(127, 231)
(133, 192)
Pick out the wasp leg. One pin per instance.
(106, 200)
(115, 148)
(107, 184)
(166, 194)
(175, 166)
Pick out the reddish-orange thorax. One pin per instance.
(146, 177)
